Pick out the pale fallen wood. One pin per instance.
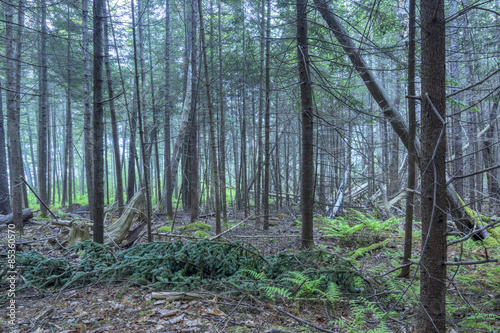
(225, 232)
(266, 236)
(78, 232)
(117, 231)
(175, 296)
(27, 214)
(69, 224)
(340, 197)
(398, 197)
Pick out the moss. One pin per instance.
(164, 229)
(196, 226)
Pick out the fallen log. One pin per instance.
(116, 231)
(7, 219)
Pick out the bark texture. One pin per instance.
(434, 205)
(307, 170)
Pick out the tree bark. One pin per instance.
(267, 125)
(169, 189)
(13, 118)
(114, 126)
(98, 123)
(432, 317)
(222, 138)
(411, 151)
(43, 117)
(68, 144)
(87, 119)
(307, 167)
(5, 206)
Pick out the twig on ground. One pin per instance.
(305, 322)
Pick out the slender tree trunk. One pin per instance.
(154, 131)
(412, 119)
(307, 166)
(222, 137)
(87, 119)
(267, 125)
(258, 167)
(141, 131)
(456, 125)
(434, 206)
(13, 117)
(68, 144)
(168, 191)
(114, 126)
(191, 148)
(213, 142)
(35, 169)
(98, 123)
(43, 115)
(5, 206)
(19, 41)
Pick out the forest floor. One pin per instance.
(390, 306)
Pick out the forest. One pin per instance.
(249, 166)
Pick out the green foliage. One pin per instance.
(165, 229)
(201, 234)
(196, 226)
(365, 316)
(355, 221)
(480, 321)
(360, 252)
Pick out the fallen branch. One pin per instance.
(305, 322)
(175, 296)
(225, 232)
(474, 262)
(36, 195)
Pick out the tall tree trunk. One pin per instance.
(434, 206)
(307, 166)
(213, 142)
(19, 41)
(114, 126)
(258, 167)
(141, 129)
(169, 190)
(43, 115)
(154, 131)
(192, 147)
(267, 125)
(456, 124)
(412, 120)
(68, 142)
(13, 117)
(5, 206)
(87, 118)
(222, 137)
(98, 123)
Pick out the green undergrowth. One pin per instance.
(182, 266)
(356, 226)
